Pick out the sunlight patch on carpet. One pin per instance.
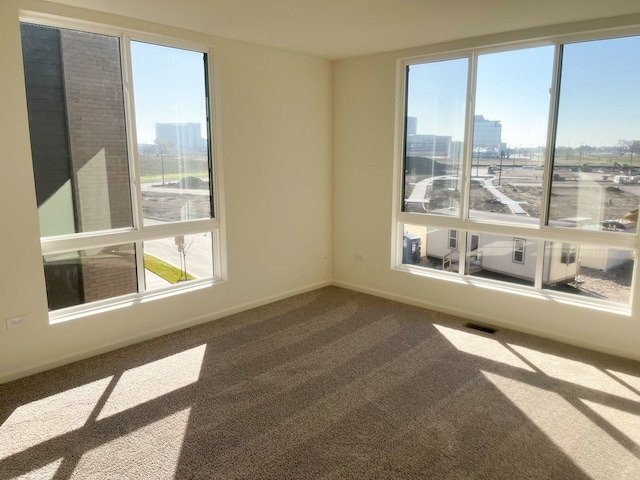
(633, 381)
(588, 446)
(50, 417)
(626, 422)
(481, 346)
(152, 380)
(149, 452)
(578, 373)
(48, 472)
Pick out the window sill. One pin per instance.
(521, 290)
(103, 306)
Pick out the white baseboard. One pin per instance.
(490, 321)
(107, 347)
(463, 314)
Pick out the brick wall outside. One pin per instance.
(95, 109)
(110, 273)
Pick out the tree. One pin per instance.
(631, 146)
(165, 146)
(183, 245)
(634, 147)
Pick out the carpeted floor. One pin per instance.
(330, 384)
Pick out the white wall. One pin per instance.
(364, 113)
(308, 152)
(275, 114)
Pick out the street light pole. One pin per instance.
(162, 158)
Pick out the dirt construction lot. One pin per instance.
(579, 194)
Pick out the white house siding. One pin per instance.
(602, 258)
(554, 269)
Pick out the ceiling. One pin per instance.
(336, 29)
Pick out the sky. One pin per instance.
(599, 94)
(169, 87)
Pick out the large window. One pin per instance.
(595, 183)
(436, 94)
(509, 132)
(532, 154)
(122, 158)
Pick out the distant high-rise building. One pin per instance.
(432, 145)
(185, 137)
(487, 134)
(412, 125)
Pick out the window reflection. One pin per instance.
(172, 127)
(589, 271)
(509, 134)
(430, 247)
(502, 258)
(436, 108)
(84, 276)
(595, 184)
(173, 260)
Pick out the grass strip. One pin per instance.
(163, 269)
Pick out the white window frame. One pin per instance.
(519, 247)
(453, 239)
(463, 223)
(139, 233)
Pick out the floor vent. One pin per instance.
(481, 328)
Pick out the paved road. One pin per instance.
(514, 206)
(199, 258)
(422, 188)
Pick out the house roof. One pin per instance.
(336, 29)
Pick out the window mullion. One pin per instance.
(132, 147)
(547, 173)
(142, 284)
(462, 252)
(132, 141)
(211, 138)
(540, 258)
(468, 138)
(51, 245)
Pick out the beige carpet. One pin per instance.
(328, 385)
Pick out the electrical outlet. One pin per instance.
(325, 258)
(358, 257)
(16, 322)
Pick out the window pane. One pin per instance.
(430, 247)
(588, 270)
(78, 136)
(183, 258)
(172, 129)
(596, 166)
(507, 259)
(518, 250)
(509, 134)
(89, 275)
(436, 102)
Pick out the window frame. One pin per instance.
(539, 232)
(453, 239)
(138, 232)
